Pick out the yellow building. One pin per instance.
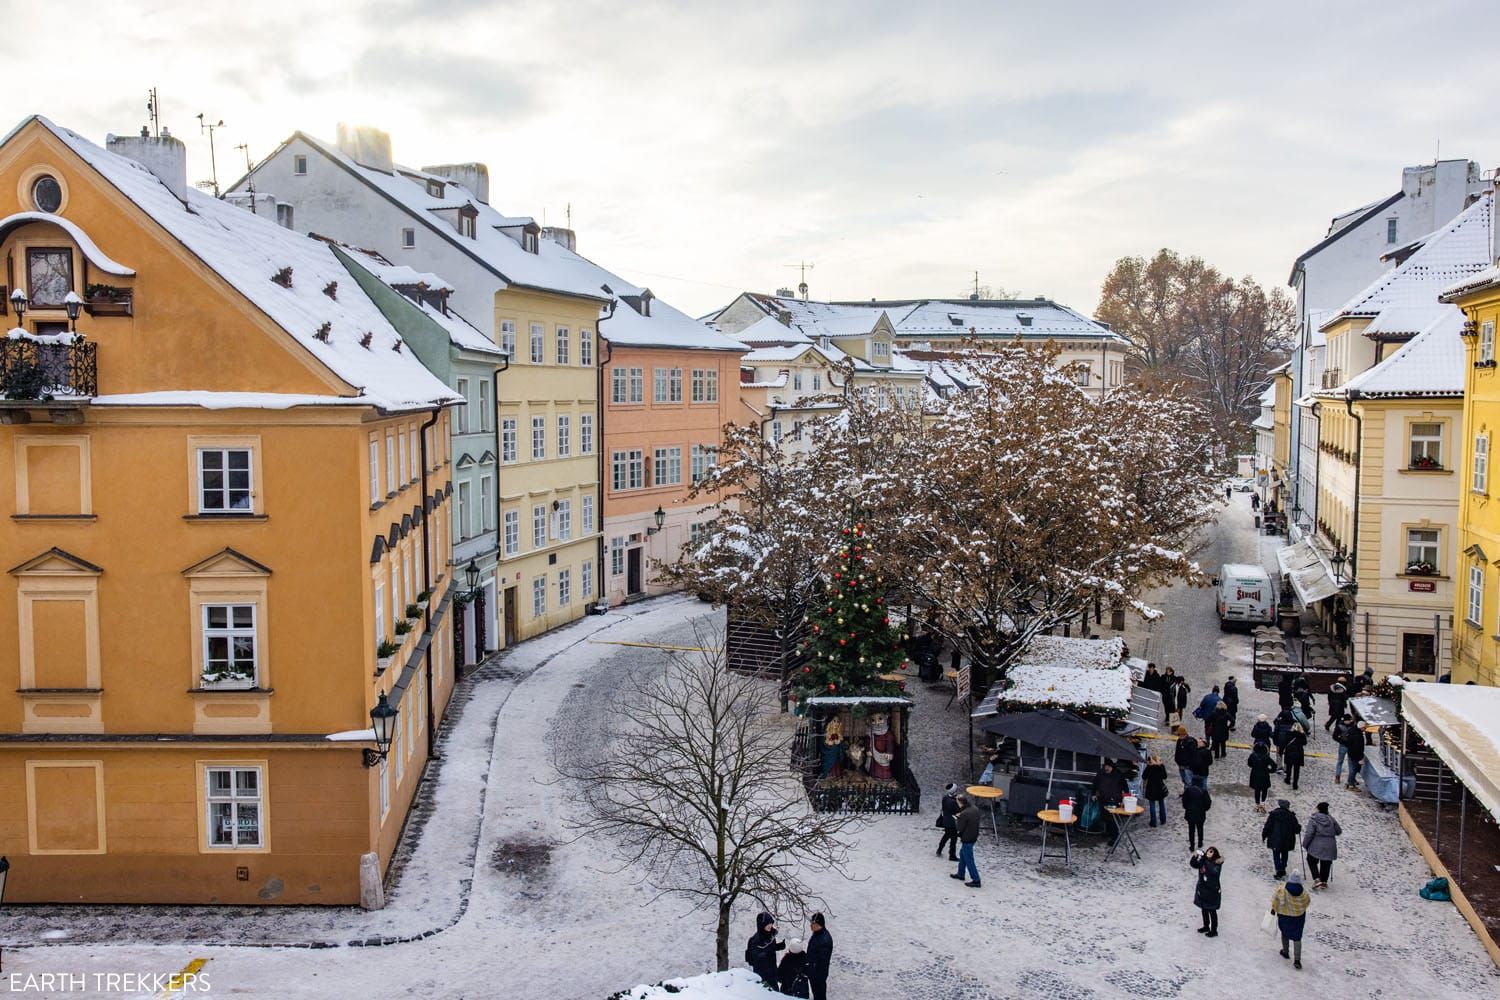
(1477, 603)
(225, 544)
(528, 291)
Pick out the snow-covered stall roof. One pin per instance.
(1087, 675)
(1461, 722)
(247, 252)
(1310, 575)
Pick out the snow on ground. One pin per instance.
(736, 984)
(549, 916)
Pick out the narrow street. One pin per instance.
(549, 916)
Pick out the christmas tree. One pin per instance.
(852, 642)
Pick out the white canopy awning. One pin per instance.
(1461, 722)
(1309, 575)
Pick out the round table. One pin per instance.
(992, 795)
(1051, 818)
(893, 678)
(1127, 818)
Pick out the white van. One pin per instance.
(1245, 595)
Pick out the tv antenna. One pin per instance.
(802, 267)
(244, 147)
(153, 111)
(204, 125)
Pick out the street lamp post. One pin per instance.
(471, 593)
(4, 871)
(383, 725)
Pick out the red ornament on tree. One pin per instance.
(832, 686)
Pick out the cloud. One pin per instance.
(450, 84)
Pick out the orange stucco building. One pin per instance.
(224, 540)
(670, 386)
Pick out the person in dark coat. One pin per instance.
(968, 835)
(1196, 802)
(1218, 731)
(1205, 709)
(1261, 768)
(1354, 741)
(1109, 790)
(1290, 906)
(1261, 731)
(1305, 703)
(1153, 680)
(1154, 778)
(1207, 895)
(761, 950)
(1187, 749)
(1293, 755)
(1232, 701)
(948, 821)
(1338, 701)
(792, 973)
(1254, 502)
(1280, 834)
(1280, 730)
(820, 954)
(1184, 689)
(1284, 691)
(1320, 842)
(1340, 734)
(1203, 759)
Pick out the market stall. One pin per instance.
(855, 756)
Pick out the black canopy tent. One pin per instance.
(1054, 729)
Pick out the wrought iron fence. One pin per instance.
(31, 369)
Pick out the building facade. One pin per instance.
(228, 495)
(529, 294)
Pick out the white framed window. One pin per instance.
(564, 587)
(512, 532)
(797, 381)
(637, 385)
(385, 788)
(616, 556)
(1480, 480)
(697, 533)
(484, 404)
(1475, 612)
(538, 596)
(390, 463)
(408, 238)
(628, 469)
(1422, 550)
(299, 165)
(375, 495)
(619, 385)
(564, 435)
(563, 526)
(467, 226)
(659, 385)
(585, 433)
(539, 526)
(229, 655)
(705, 385)
(508, 337)
(1081, 375)
(588, 513)
(380, 633)
(776, 431)
(586, 580)
(413, 443)
(465, 501)
(538, 344)
(667, 467)
(508, 440)
(538, 438)
(817, 382)
(234, 797)
(1487, 340)
(1390, 230)
(586, 348)
(1426, 445)
(398, 745)
(486, 503)
(882, 349)
(563, 350)
(405, 459)
(224, 481)
(461, 386)
(702, 461)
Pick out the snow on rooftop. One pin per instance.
(1453, 253)
(1064, 651)
(1430, 364)
(1038, 319)
(1088, 690)
(461, 333)
(247, 252)
(770, 330)
(1479, 279)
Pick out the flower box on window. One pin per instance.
(413, 612)
(1425, 463)
(403, 627)
(108, 300)
(1421, 569)
(227, 680)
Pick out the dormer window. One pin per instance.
(530, 242)
(1023, 318)
(955, 320)
(467, 226)
(435, 188)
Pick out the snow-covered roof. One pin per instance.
(1430, 364)
(1486, 278)
(785, 354)
(1263, 423)
(461, 333)
(1454, 252)
(665, 327)
(1461, 722)
(769, 330)
(247, 252)
(1064, 651)
(1085, 689)
(98, 258)
(926, 318)
(552, 268)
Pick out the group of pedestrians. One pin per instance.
(958, 817)
(803, 971)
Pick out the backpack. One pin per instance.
(1436, 889)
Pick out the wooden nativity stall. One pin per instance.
(852, 753)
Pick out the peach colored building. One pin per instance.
(670, 385)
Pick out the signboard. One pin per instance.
(1422, 586)
(962, 685)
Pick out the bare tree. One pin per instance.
(695, 790)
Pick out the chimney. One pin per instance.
(474, 176)
(562, 237)
(163, 155)
(366, 145)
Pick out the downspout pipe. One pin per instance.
(1359, 431)
(427, 574)
(1317, 411)
(499, 504)
(603, 355)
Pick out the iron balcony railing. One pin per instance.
(45, 369)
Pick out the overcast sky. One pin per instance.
(898, 147)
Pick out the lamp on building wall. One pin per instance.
(383, 725)
(661, 518)
(1338, 565)
(74, 305)
(471, 577)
